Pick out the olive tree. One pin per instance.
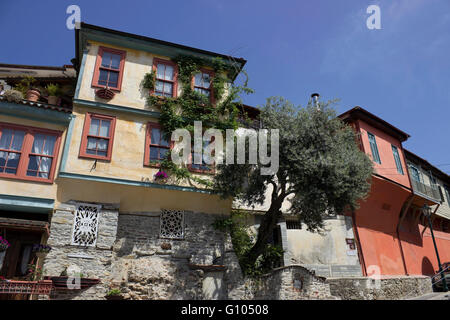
(321, 170)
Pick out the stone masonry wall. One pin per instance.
(130, 255)
(92, 262)
(284, 283)
(148, 267)
(387, 288)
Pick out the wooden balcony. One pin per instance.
(26, 287)
(429, 192)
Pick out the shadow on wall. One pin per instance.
(427, 267)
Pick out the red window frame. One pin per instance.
(192, 169)
(98, 66)
(85, 135)
(26, 152)
(174, 82)
(210, 89)
(148, 144)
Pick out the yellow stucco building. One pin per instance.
(108, 219)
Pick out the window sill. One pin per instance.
(27, 179)
(152, 165)
(96, 86)
(93, 157)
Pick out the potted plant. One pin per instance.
(105, 93)
(26, 86)
(4, 244)
(34, 272)
(160, 176)
(114, 294)
(13, 95)
(41, 250)
(54, 92)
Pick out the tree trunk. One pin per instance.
(268, 223)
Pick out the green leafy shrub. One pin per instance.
(53, 89)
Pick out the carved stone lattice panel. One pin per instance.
(172, 224)
(85, 225)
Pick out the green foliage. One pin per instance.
(149, 80)
(114, 292)
(190, 106)
(53, 89)
(25, 84)
(321, 169)
(243, 240)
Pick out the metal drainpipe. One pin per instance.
(358, 243)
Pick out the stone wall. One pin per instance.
(130, 254)
(285, 283)
(91, 262)
(386, 288)
(148, 267)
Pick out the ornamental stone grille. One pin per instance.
(85, 225)
(172, 224)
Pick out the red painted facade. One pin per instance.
(389, 225)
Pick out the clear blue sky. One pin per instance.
(400, 73)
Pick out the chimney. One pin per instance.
(315, 98)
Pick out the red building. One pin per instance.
(389, 224)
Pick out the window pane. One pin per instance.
(164, 141)
(169, 73)
(415, 174)
(160, 69)
(43, 175)
(49, 145)
(11, 170)
(159, 87)
(374, 148)
(168, 89)
(94, 128)
(92, 143)
(206, 80)
(3, 156)
(115, 61)
(33, 164)
(38, 143)
(12, 139)
(106, 59)
(113, 79)
(104, 129)
(202, 91)
(102, 145)
(163, 153)
(398, 163)
(13, 160)
(153, 153)
(18, 140)
(103, 77)
(5, 140)
(155, 136)
(198, 80)
(46, 164)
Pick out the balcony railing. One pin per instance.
(426, 190)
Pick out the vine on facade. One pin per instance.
(181, 112)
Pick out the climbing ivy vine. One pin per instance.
(190, 106)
